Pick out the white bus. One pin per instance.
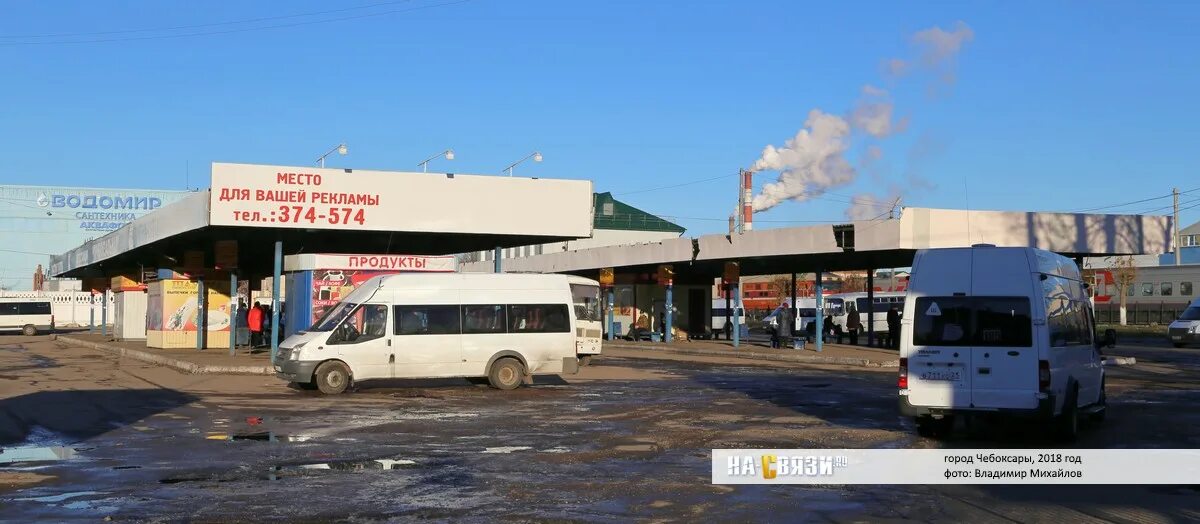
(488, 328)
(719, 313)
(804, 312)
(838, 307)
(27, 315)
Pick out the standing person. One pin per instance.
(853, 324)
(254, 321)
(242, 332)
(784, 331)
(893, 324)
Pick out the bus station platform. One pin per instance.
(187, 360)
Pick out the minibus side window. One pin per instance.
(427, 320)
(478, 319)
(33, 308)
(538, 318)
(8, 308)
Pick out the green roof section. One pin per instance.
(610, 213)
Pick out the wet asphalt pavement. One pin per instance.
(148, 444)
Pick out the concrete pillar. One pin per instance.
(737, 304)
(496, 260)
(275, 298)
(92, 314)
(819, 291)
(233, 313)
(871, 305)
(727, 288)
(669, 306)
(104, 313)
(201, 312)
(795, 310)
(612, 295)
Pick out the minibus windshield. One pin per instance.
(1192, 313)
(334, 317)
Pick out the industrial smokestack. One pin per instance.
(747, 200)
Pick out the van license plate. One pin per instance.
(945, 376)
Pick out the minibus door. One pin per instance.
(940, 360)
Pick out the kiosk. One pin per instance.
(317, 282)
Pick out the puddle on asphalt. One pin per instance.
(261, 436)
(62, 497)
(280, 472)
(36, 454)
(505, 449)
(432, 415)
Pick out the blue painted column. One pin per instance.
(233, 313)
(669, 307)
(871, 305)
(819, 289)
(275, 298)
(201, 313)
(736, 318)
(496, 258)
(612, 295)
(104, 313)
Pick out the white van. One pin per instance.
(498, 328)
(838, 307)
(719, 313)
(1186, 329)
(30, 316)
(805, 311)
(997, 330)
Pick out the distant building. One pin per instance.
(614, 223)
(39, 221)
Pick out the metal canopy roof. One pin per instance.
(861, 245)
(410, 213)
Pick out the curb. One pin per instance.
(753, 355)
(1119, 361)
(174, 363)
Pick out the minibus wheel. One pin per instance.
(506, 374)
(333, 377)
(585, 360)
(1068, 421)
(29, 330)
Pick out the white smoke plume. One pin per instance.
(936, 48)
(809, 163)
(814, 162)
(873, 114)
(869, 206)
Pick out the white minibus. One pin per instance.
(27, 315)
(719, 312)
(838, 307)
(498, 329)
(998, 331)
(805, 311)
(1186, 329)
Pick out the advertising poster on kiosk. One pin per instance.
(330, 285)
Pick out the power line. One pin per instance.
(239, 30)
(1123, 204)
(694, 182)
(211, 24)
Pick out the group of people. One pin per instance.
(256, 319)
(784, 328)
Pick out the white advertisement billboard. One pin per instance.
(249, 195)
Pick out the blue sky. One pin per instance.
(1055, 106)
